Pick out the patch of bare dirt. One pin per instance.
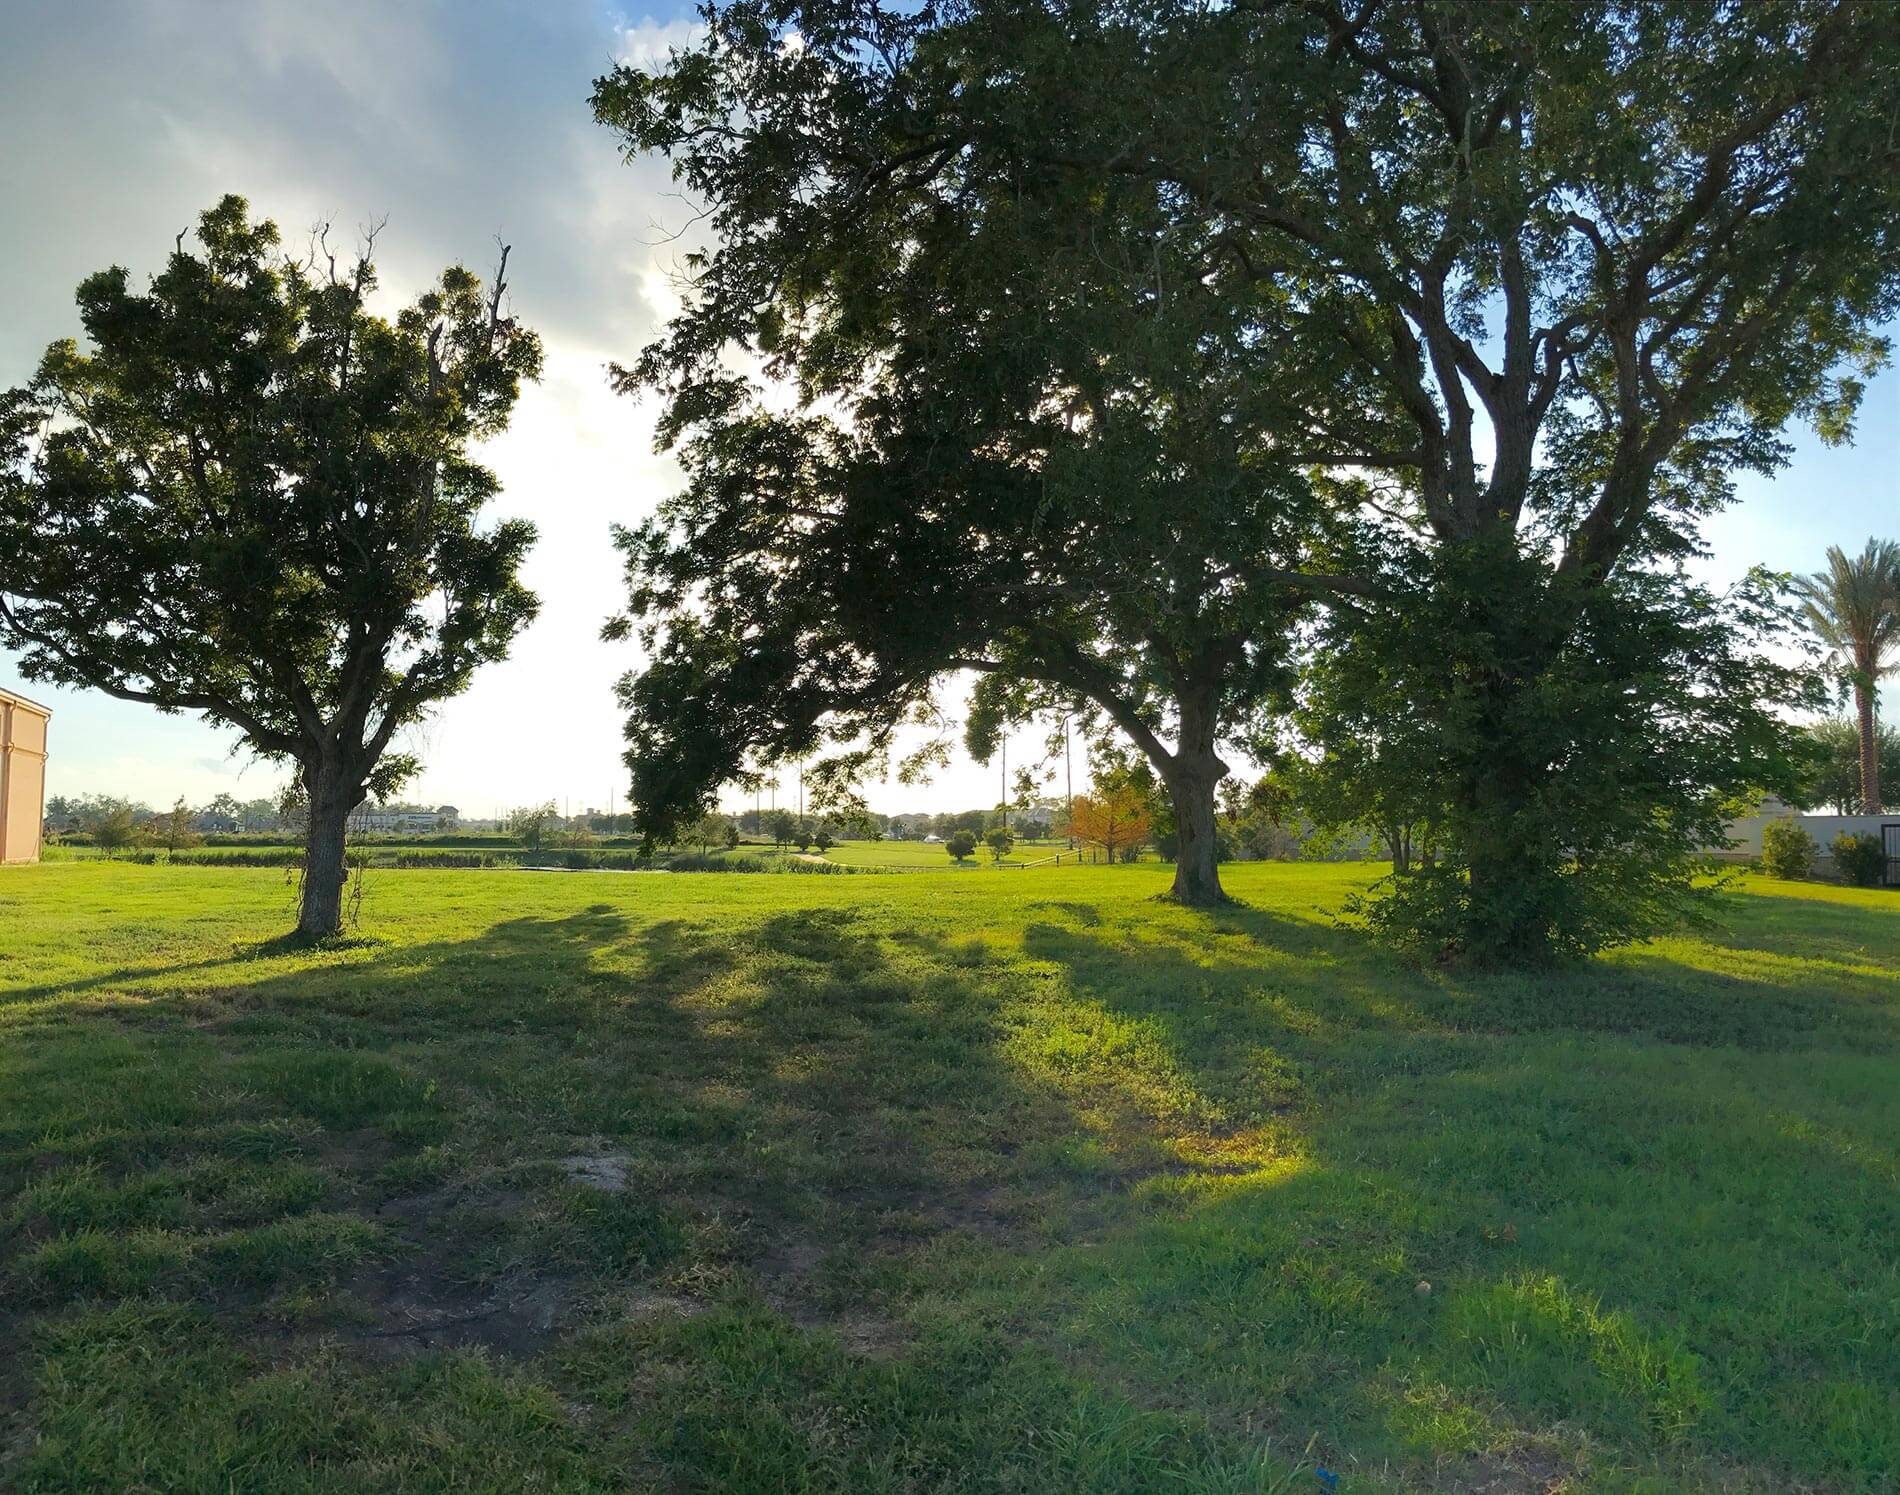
(423, 1300)
(354, 1154)
(1527, 1470)
(598, 1170)
(786, 1261)
(410, 1313)
(869, 1336)
(788, 1275)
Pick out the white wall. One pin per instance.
(1746, 833)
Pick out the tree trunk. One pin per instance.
(332, 797)
(1511, 849)
(1869, 751)
(1398, 843)
(1191, 786)
(1507, 917)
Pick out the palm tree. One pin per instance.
(1854, 608)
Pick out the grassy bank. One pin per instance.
(1022, 1182)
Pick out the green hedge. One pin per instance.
(574, 859)
(1860, 859)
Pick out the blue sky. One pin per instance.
(458, 122)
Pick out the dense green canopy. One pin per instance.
(1039, 437)
(250, 497)
(1515, 287)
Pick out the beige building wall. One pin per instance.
(22, 777)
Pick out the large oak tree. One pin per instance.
(1579, 261)
(1599, 254)
(1036, 436)
(251, 497)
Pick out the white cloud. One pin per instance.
(647, 44)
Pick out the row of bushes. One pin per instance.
(461, 840)
(1787, 850)
(570, 859)
(270, 840)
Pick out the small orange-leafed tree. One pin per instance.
(1114, 820)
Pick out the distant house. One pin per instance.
(22, 776)
(368, 819)
(933, 839)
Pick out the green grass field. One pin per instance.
(937, 1182)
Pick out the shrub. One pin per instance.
(1787, 850)
(1861, 860)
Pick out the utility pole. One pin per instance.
(1006, 783)
(801, 791)
(1068, 780)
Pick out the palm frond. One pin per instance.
(1853, 607)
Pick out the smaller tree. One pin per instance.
(1261, 820)
(116, 828)
(731, 835)
(251, 497)
(1830, 774)
(1117, 819)
(223, 808)
(822, 839)
(960, 844)
(529, 824)
(782, 826)
(999, 841)
(802, 835)
(259, 815)
(174, 827)
(1599, 833)
(709, 830)
(577, 832)
(1787, 850)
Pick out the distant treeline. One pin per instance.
(256, 840)
(398, 855)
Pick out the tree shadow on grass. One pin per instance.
(1810, 928)
(801, 1101)
(1605, 1200)
(1708, 992)
(1207, 1159)
(250, 952)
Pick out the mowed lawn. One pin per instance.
(1012, 1182)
